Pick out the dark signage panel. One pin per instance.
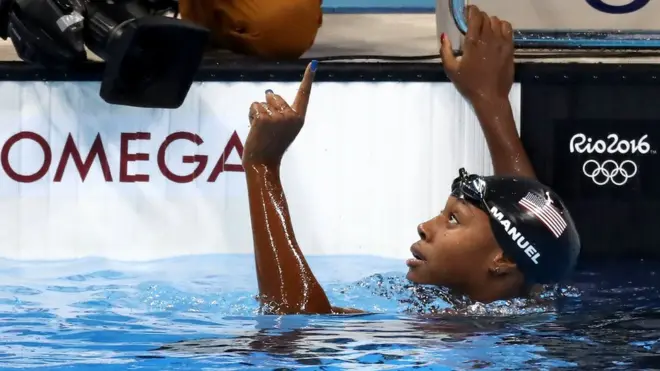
(597, 144)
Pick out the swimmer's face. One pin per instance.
(457, 249)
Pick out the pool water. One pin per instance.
(199, 313)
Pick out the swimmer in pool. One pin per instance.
(498, 237)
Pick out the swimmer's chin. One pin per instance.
(414, 264)
(412, 276)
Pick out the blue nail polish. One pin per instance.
(315, 64)
(269, 91)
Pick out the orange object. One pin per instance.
(271, 29)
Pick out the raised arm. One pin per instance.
(484, 76)
(286, 283)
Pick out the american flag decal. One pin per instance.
(544, 211)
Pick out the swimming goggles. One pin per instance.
(470, 187)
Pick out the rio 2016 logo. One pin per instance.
(632, 6)
(610, 171)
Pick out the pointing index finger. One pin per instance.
(302, 98)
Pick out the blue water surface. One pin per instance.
(199, 313)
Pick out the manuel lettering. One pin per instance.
(516, 235)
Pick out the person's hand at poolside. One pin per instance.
(484, 76)
(274, 125)
(485, 71)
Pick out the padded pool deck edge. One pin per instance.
(213, 70)
(401, 35)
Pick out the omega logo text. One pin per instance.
(210, 164)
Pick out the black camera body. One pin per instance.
(150, 59)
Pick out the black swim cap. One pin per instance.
(529, 221)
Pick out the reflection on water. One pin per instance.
(200, 314)
(536, 341)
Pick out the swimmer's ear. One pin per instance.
(502, 265)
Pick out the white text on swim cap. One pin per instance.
(516, 236)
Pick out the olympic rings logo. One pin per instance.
(609, 171)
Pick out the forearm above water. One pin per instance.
(506, 148)
(286, 283)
